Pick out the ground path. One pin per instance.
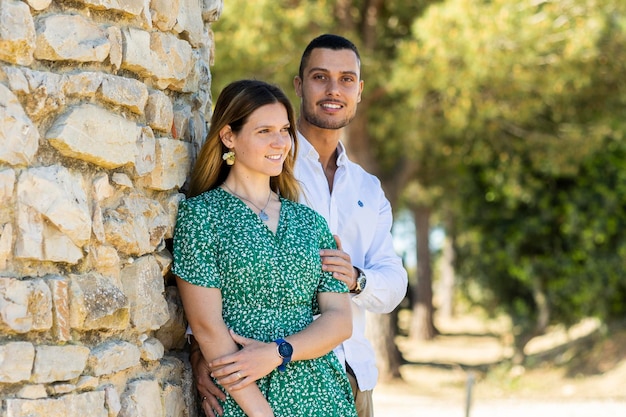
(389, 404)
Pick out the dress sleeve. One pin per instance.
(194, 248)
(327, 241)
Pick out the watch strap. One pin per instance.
(360, 281)
(286, 359)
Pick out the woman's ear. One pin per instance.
(226, 136)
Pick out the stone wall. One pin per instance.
(103, 105)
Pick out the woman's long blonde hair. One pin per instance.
(233, 107)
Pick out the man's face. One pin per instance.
(330, 88)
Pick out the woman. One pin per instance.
(247, 262)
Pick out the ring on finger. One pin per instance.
(239, 375)
(203, 399)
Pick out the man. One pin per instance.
(352, 202)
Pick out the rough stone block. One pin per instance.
(173, 160)
(143, 284)
(59, 363)
(164, 13)
(159, 111)
(39, 4)
(126, 92)
(16, 361)
(132, 7)
(95, 135)
(70, 38)
(189, 20)
(163, 57)
(84, 404)
(59, 288)
(172, 333)
(136, 226)
(146, 152)
(6, 243)
(152, 349)
(82, 84)
(97, 302)
(17, 32)
(174, 401)
(53, 217)
(25, 305)
(113, 356)
(18, 135)
(142, 399)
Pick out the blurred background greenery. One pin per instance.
(499, 124)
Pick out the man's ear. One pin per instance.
(361, 83)
(297, 85)
(226, 136)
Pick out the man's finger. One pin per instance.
(338, 241)
(207, 408)
(212, 405)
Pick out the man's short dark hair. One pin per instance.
(327, 41)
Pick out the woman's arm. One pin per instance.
(257, 359)
(203, 309)
(330, 329)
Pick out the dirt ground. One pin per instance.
(575, 373)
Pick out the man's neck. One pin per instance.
(325, 142)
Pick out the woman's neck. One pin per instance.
(255, 190)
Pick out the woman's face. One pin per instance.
(263, 143)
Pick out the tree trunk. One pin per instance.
(381, 328)
(381, 332)
(422, 324)
(446, 309)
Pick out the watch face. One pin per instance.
(285, 350)
(362, 281)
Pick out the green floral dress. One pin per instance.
(269, 283)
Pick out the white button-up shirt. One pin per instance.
(359, 213)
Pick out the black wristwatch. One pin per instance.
(285, 350)
(361, 281)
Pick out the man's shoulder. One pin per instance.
(357, 170)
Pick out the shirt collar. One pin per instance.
(305, 149)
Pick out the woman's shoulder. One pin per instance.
(297, 207)
(302, 210)
(207, 201)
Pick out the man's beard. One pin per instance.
(325, 123)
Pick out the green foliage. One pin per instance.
(521, 103)
(264, 39)
(505, 114)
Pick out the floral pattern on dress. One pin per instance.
(269, 283)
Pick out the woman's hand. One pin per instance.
(252, 362)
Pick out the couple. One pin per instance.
(254, 267)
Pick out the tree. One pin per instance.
(521, 96)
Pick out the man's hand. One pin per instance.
(340, 264)
(208, 391)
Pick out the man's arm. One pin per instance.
(386, 277)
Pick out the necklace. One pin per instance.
(262, 214)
